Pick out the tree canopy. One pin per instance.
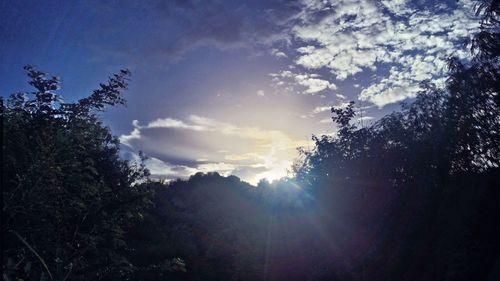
(68, 198)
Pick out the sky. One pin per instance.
(234, 86)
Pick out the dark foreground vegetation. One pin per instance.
(415, 196)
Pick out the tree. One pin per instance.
(422, 180)
(68, 197)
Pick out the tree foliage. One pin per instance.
(68, 198)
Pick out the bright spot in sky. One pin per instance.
(207, 145)
(279, 169)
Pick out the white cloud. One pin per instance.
(320, 109)
(135, 134)
(173, 123)
(355, 36)
(161, 169)
(260, 93)
(397, 7)
(277, 53)
(179, 148)
(312, 82)
(314, 85)
(224, 169)
(366, 118)
(383, 94)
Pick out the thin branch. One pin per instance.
(34, 252)
(69, 271)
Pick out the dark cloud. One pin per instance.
(171, 28)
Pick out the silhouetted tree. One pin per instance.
(439, 150)
(68, 197)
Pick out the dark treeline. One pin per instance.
(414, 196)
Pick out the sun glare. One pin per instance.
(277, 170)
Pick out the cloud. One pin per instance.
(350, 37)
(135, 134)
(397, 7)
(260, 93)
(172, 28)
(161, 169)
(173, 123)
(366, 118)
(321, 109)
(277, 53)
(179, 148)
(311, 83)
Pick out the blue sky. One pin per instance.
(233, 86)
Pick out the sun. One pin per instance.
(276, 171)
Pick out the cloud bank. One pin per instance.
(179, 148)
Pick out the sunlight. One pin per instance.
(277, 171)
